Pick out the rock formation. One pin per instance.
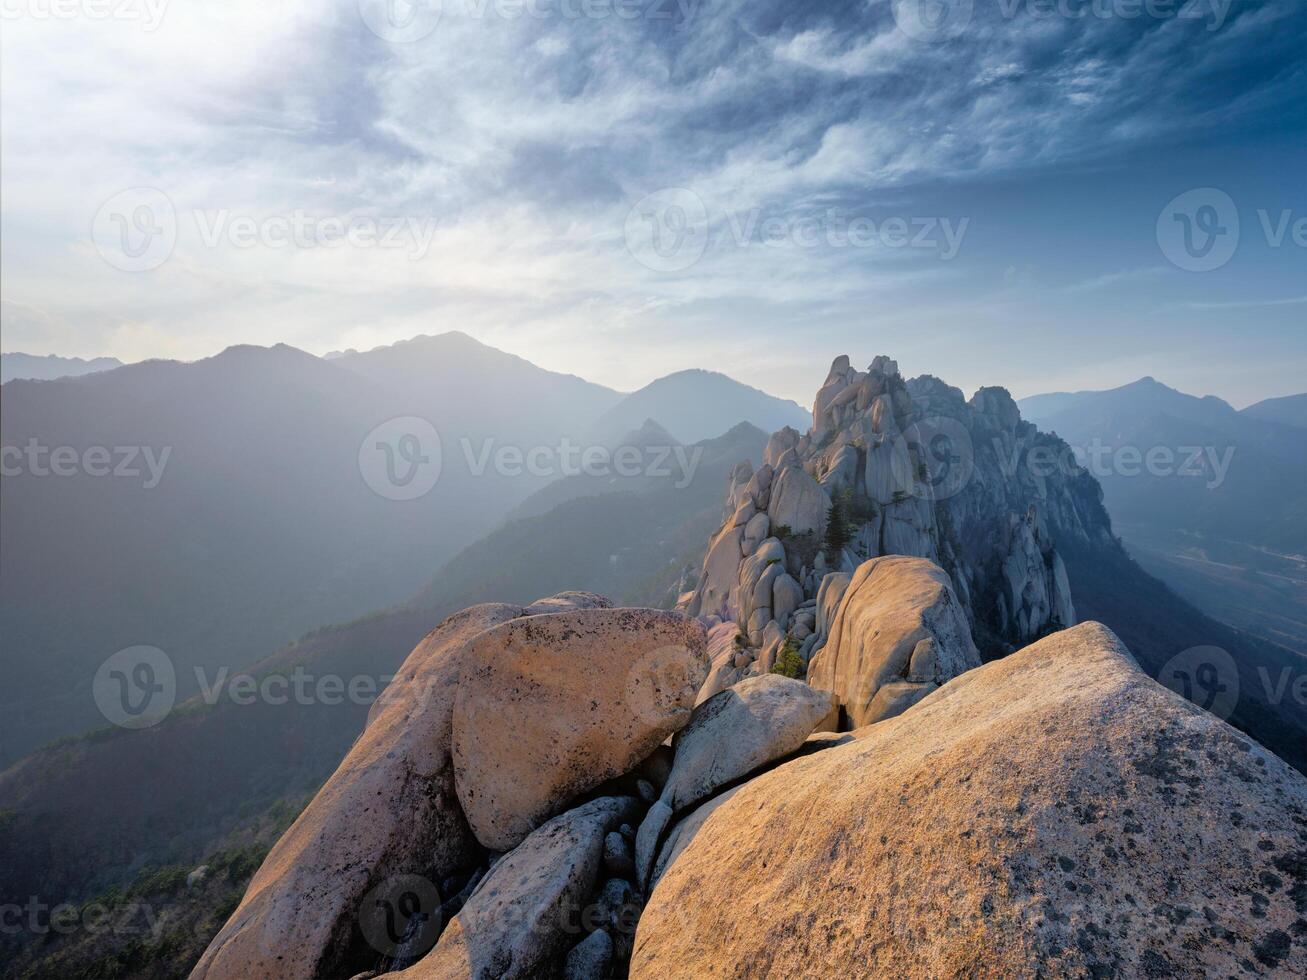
(729, 736)
(526, 913)
(1052, 813)
(898, 634)
(521, 750)
(901, 468)
(570, 790)
(1056, 813)
(389, 810)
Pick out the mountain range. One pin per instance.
(36, 367)
(241, 501)
(692, 405)
(1290, 410)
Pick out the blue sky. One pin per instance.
(990, 201)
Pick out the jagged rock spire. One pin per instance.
(907, 468)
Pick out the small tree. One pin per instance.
(837, 524)
(789, 663)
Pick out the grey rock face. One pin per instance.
(619, 861)
(647, 838)
(516, 922)
(919, 471)
(740, 730)
(798, 502)
(591, 959)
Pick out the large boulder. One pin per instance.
(829, 596)
(552, 706)
(389, 809)
(528, 911)
(757, 721)
(779, 443)
(787, 596)
(1055, 813)
(738, 731)
(894, 607)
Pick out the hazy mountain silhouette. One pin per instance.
(1248, 502)
(37, 367)
(1289, 410)
(155, 803)
(1233, 541)
(695, 405)
(261, 524)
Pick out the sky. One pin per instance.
(1043, 194)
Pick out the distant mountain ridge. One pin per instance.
(1145, 395)
(47, 367)
(263, 524)
(1221, 520)
(695, 405)
(1290, 410)
(1188, 492)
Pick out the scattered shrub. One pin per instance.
(789, 663)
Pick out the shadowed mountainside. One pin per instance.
(157, 805)
(257, 523)
(695, 405)
(1217, 516)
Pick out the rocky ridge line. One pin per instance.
(905, 468)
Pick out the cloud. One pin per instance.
(528, 139)
(1110, 279)
(1243, 304)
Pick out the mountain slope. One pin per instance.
(36, 367)
(695, 405)
(1289, 410)
(260, 522)
(1216, 514)
(156, 804)
(1213, 470)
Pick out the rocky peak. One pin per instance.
(997, 404)
(895, 467)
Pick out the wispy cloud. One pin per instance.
(1111, 279)
(1242, 304)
